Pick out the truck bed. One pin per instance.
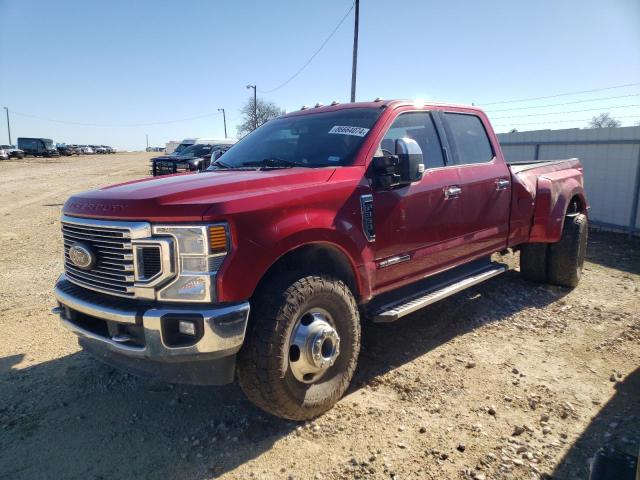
(517, 167)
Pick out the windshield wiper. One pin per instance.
(274, 162)
(220, 164)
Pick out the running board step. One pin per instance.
(404, 306)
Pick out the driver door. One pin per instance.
(416, 224)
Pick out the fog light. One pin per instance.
(187, 328)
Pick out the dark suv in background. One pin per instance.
(191, 159)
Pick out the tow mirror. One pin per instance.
(411, 160)
(403, 168)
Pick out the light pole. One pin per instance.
(354, 65)
(224, 119)
(255, 106)
(8, 125)
(147, 142)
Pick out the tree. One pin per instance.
(513, 130)
(264, 112)
(604, 120)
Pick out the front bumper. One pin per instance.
(143, 339)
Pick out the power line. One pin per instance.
(611, 107)
(115, 124)
(561, 94)
(558, 121)
(565, 103)
(312, 56)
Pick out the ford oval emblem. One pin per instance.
(82, 256)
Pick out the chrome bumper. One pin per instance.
(222, 334)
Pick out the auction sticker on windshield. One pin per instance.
(344, 130)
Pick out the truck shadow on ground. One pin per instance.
(616, 427)
(76, 418)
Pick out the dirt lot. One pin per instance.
(507, 380)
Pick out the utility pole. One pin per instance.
(224, 119)
(354, 65)
(8, 125)
(147, 142)
(255, 106)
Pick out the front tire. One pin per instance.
(276, 370)
(566, 257)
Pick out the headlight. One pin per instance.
(201, 250)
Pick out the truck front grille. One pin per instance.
(164, 168)
(113, 269)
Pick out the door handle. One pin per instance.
(502, 184)
(452, 192)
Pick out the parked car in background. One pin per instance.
(187, 142)
(190, 159)
(86, 149)
(38, 147)
(76, 149)
(266, 267)
(109, 149)
(4, 155)
(66, 150)
(98, 149)
(12, 151)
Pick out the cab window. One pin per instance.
(418, 126)
(469, 138)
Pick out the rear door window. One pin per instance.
(419, 127)
(470, 139)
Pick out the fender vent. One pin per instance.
(366, 209)
(150, 263)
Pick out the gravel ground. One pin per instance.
(507, 380)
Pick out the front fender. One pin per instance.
(255, 253)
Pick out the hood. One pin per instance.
(187, 197)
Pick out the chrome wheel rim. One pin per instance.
(314, 346)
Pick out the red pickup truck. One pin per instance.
(266, 266)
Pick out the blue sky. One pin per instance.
(121, 63)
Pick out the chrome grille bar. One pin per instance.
(113, 272)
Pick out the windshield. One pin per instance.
(326, 139)
(48, 144)
(181, 147)
(197, 150)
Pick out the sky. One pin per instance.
(112, 72)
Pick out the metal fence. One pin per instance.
(611, 160)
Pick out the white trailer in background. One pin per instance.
(170, 146)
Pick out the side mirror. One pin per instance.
(216, 155)
(411, 162)
(403, 168)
